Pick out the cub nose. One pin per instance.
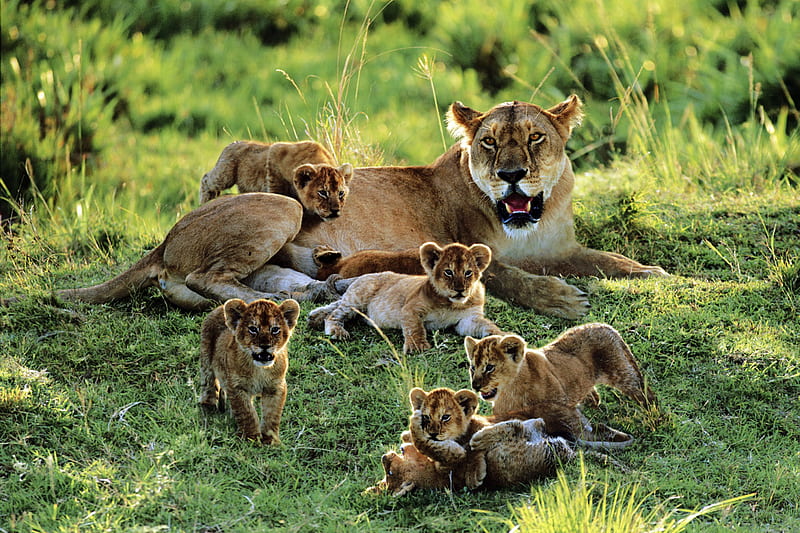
(512, 176)
(334, 213)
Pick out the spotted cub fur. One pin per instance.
(243, 354)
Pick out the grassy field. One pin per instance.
(688, 159)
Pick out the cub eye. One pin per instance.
(448, 273)
(488, 142)
(536, 138)
(341, 195)
(445, 418)
(275, 330)
(489, 369)
(468, 273)
(390, 473)
(322, 194)
(253, 330)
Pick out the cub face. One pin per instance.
(516, 154)
(445, 415)
(323, 189)
(455, 269)
(261, 328)
(494, 361)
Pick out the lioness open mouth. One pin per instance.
(519, 210)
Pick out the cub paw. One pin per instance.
(412, 346)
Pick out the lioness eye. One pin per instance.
(489, 369)
(536, 138)
(275, 330)
(253, 330)
(323, 194)
(445, 418)
(488, 142)
(468, 273)
(448, 273)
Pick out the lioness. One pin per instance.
(449, 294)
(301, 170)
(551, 381)
(243, 353)
(217, 252)
(507, 184)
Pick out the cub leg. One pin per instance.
(498, 433)
(334, 323)
(477, 326)
(415, 338)
(316, 318)
(245, 414)
(447, 452)
(210, 397)
(475, 470)
(272, 403)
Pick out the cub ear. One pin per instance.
(303, 175)
(429, 254)
(482, 255)
(291, 311)
(469, 346)
(417, 397)
(513, 346)
(325, 255)
(234, 309)
(468, 401)
(346, 171)
(462, 121)
(409, 451)
(386, 460)
(568, 114)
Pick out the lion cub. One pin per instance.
(449, 294)
(302, 170)
(551, 381)
(243, 354)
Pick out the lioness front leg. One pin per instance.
(272, 403)
(545, 294)
(590, 262)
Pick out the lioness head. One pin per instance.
(455, 269)
(516, 154)
(494, 361)
(261, 328)
(444, 414)
(323, 189)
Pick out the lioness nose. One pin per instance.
(512, 176)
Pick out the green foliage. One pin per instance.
(687, 159)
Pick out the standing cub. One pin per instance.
(449, 294)
(302, 170)
(243, 354)
(551, 381)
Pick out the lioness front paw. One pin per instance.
(554, 296)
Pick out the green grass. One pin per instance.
(687, 159)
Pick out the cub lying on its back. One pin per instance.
(243, 354)
(450, 294)
(514, 452)
(302, 170)
(551, 381)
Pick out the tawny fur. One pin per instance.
(331, 262)
(450, 294)
(217, 252)
(244, 354)
(552, 381)
(301, 170)
(514, 452)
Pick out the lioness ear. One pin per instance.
(568, 114)
(462, 121)
(482, 255)
(417, 397)
(468, 401)
(346, 171)
(303, 174)
(291, 311)
(233, 309)
(429, 254)
(513, 346)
